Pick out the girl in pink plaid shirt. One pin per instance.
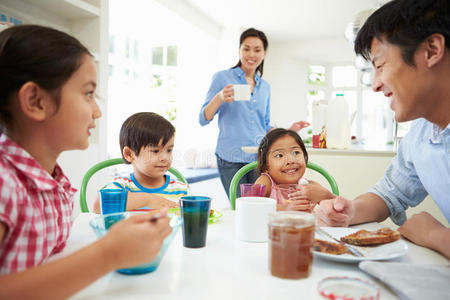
(47, 105)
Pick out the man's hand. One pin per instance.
(419, 228)
(335, 212)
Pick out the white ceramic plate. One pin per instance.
(382, 252)
(249, 149)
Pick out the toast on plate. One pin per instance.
(367, 238)
(329, 247)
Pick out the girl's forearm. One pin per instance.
(61, 278)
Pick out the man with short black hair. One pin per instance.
(408, 43)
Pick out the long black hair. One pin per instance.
(43, 55)
(260, 35)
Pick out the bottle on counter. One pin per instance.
(319, 120)
(338, 126)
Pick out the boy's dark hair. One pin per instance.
(406, 24)
(255, 33)
(43, 55)
(269, 139)
(144, 129)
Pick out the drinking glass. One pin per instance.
(195, 213)
(291, 239)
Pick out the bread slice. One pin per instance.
(329, 247)
(366, 238)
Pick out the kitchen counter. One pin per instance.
(357, 149)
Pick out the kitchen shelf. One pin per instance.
(69, 9)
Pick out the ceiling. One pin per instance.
(286, 20)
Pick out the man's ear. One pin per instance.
(434, 49)
(35, 103)
(128, 154)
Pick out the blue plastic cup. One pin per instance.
(112, 201)
(195, 214)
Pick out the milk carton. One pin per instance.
(338, 127)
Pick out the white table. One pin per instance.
(225, 269)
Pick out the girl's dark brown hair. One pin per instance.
(269, 139)
(144, 129)
(255, 33)
(43, 55)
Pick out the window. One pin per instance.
(157, 56)
(127, 48)
(111, 44)
(370, 116)
(316, 81)
(165, 56)
(344, 76)
(316, 75)
(111, 71)
(136, 50)
(375, 118)
(172, 55)
(146, 69)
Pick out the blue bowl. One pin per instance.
(101, 224)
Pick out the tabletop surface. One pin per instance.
(225, 269)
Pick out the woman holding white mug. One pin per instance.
(241, 123)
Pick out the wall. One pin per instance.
(287, 78)
(286, 69)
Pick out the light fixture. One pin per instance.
(351, 31)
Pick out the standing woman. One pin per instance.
(241, 123)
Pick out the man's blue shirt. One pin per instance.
(421, 167)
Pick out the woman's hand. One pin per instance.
(135, 240)
(227, 94)
(297, 126)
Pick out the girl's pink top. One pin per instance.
(273, 192)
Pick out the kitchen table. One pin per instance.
(225, 269)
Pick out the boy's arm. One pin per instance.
(96, 206)
(63, 277)
(138, 200)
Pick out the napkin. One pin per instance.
(410, 281)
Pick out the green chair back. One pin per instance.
(253, 165)
(105, 164)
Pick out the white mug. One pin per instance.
(242, 92)
(252, 216)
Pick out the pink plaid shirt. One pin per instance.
(35, 207)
